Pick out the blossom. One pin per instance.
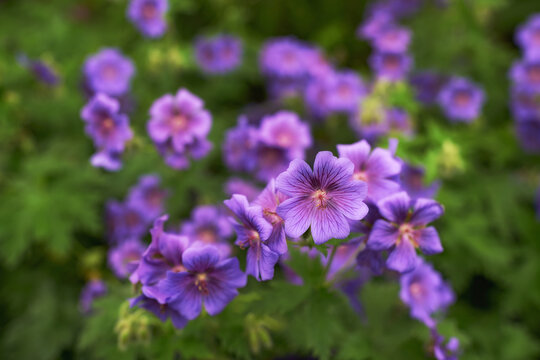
(525, 103)
(162, 311)
(444, 351)
(425, 292)
(392, 66)
(283, 57)
(316, 62)
(239, 146)
(405, 229)
(317, 95)
(427, 85)
(207, 279)
(210, 226)
(218, 54)
(41, 70)
(253, 231)
(323, 198)
(148, 197)
(374, 24)
(163, 254)
(124, 258)
(109, 72)
(271, 160)
(528, 133)
(528, 37)
(346, 91)
(123, 221)
(92, 290)
(149, 16)
(268, 200)
(285, 130)
(392, 38)
(411, 180)
(461, 99)
(526, 72)
(179, 160)
(373, 167)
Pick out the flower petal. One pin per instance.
(382, 164)
(383, 235)
(297, 180)
(425, 211)
(358, 153)
(200, 259)
(349, 199)
(330, 171)
(267, 262)
(218, 297)
(403, 258)
(228, 271)
(395, 207)
(329, 223)
(297, 213)
(429, 242)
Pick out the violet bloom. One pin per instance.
(427, 85)
(347, 89)
(442, 350)
(239, 146)
(124, 258)
(208, 280)
(317, 96)
(285, 130)
(425, 292)
(92, 290)
(398, 122)
(109, 72)
(180, 119)
(149, 16)
(411, 180)
(209, 225)
(375, 168)
(528, 37)
(252, 232)
(525, 103)
(392, 66)
(269, 200)
(316, 63)
(161, 311)
(526, 72)
(108, 160)
(179, 160)
(148, 197)
(40, 69)
(405, 229)
(124, 221)
(163, 254)
(374, 25)
(283, 57)
(461, 99)
(271, 160)
(241, 187)
(323, 198)
(528, 133)
(392, 38)
(218, 54)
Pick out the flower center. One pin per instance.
(179, 123)
(149, 10)
(207, 235)
(360, 175)
(132, 219)
(154, 197)
(109, 72)
(462, 98)
(201, 280)
(533, 73)
(407, 233)
(107, 125)
(284, 139)
(344, 91)
(178, 268)
(130, 257)
(272, 217)
(416, 290)
(321, 198)
(391, 62)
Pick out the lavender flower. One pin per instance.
(317, 95)
(392, 38)
(108, 128)
(239, 146)
(109, 72)
(43, 72)
(425, 292)
(270, 160)
(461, 100)
(210, 226)
(283, 57)
(528, 37)
(179, 160)
(219, 54)
(323, 198)
(374, 25)
(526, 72)
(405, 229)
(411, 180)
(148, 197)
(525, 103)
(528, 132)
(252, 232)
(317, 64)
(162, 311)
(124, 258)
(285, 130)
(269, 200)
(375, 168)
(149, 16)
(124, 222)
(392, 66)
(241, 187)
(444, 351)
(346, 91)
(208, 280)
(92, 290)
(427, 85)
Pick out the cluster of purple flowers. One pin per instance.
(179, 125)
(149, 16)
(219, 54)
(268, 149)
(525, 76)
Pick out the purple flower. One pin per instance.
(373, 167)
(148, 197)
(181, 119)
(374, 25)
(43, 72)
(242, 187)
(109, 72)
(208, 280)
(148, 16)
(252, 232)
(528, 133)
(124, 258)
(316, 63)
(317, 95)
(392, 38)
(270, 161)
(346, 91)
(526, 72)
(162, 311)
(210, 226)
(427, 85)
(525, 102)
(425, 292)
(285, 130)
(268, 200)
(239, 145)
(405, 229)
(179, 160)
(392, 66)
(411, 180)
(461, 99)
(124, 222)
(442, 351)
(92, 290)
(218, 54)
(108, 160)
(323, 198)
(398, 122)
(282, 88)
(372, 260)
(163, 254)
(528, 37)
(284, 57)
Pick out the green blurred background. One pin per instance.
(52, 200)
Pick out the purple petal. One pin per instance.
(267, 262)
(403, 258)
(358, 152)
(327, 224)
(297, 214)
(228, 271)
(277, 241)
(172, 246)
(177, 319)
(429, 242)
(217, 298)
(425, 211)
(395, 207)
(382, 236)
(252, 262)
(382, 164)
(331, 171)
(297, 180)
(380, 188)
(348, 199)
(200, 259)
(158, 130)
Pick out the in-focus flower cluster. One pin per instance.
(219, 54)
(525, 77)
